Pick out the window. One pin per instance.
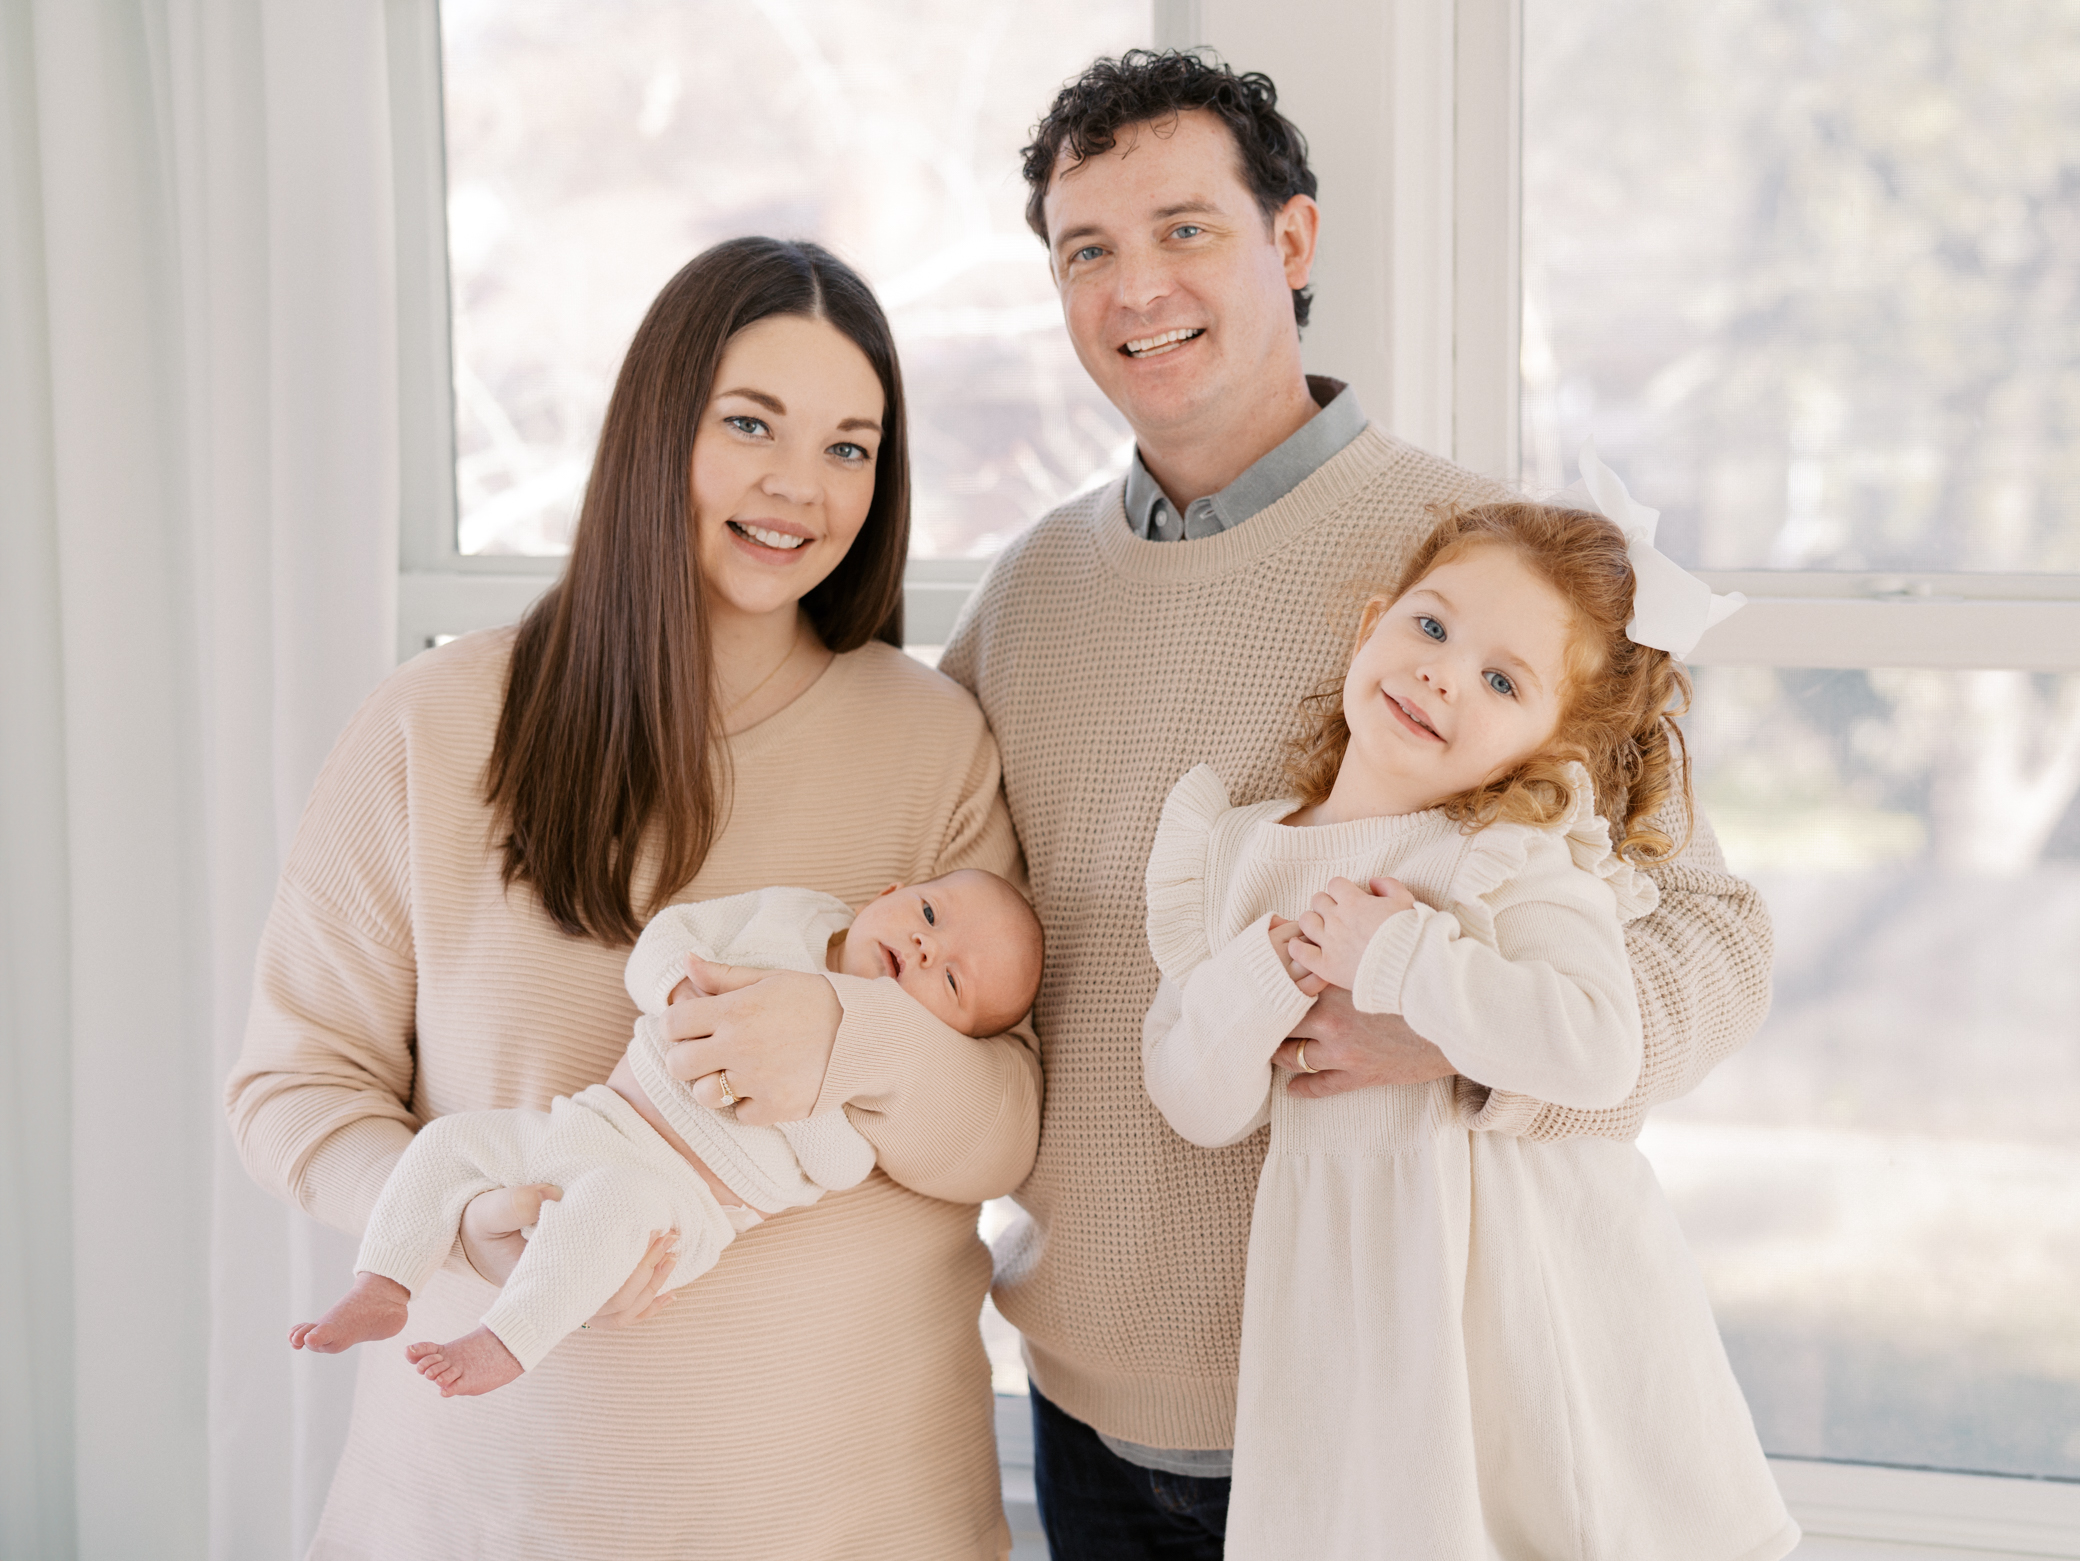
(1805, 273)
(592, 150)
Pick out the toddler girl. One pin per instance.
(1456, 1342)
(640, 1153)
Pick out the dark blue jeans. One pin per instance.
(1096, 1506)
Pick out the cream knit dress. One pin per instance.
(1455, 1342)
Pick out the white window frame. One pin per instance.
(1415, 123)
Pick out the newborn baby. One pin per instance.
(639, 1153)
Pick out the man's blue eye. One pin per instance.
(1430, 626)
(1500, 684)
(1188, 230)
(930, 920)
(1088, 252)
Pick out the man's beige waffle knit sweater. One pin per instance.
(1109, 666)
(823, 1390)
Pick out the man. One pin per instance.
(1176, 619)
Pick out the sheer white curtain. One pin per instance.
(198, 495)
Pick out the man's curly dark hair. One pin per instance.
(1144, 85)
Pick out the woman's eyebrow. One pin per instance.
(769, 402)
(851, 423)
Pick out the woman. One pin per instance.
(710, 700)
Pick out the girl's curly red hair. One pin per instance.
(1619, 700)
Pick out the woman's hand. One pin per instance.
(1340, 923)
(491, 1240)
(1282, 934)
(772, 1031)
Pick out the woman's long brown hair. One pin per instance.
(609, 757)
(1619, 700)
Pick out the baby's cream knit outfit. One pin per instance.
(1456, 1341)
(619, 1177)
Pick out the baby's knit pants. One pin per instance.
(620, 1182)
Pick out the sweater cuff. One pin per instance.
(1267, 973)
(1383, 968)
(878, 1019)
(345, 1173)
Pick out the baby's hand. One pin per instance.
(1342, 920)
(1283, 933)
(684, 989)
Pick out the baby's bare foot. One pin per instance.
(475, 1363)
(373, 1309)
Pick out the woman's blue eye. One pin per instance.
(1430, 626)
(1500, 684)
(744, 424)
(850, 452)
(930, 920)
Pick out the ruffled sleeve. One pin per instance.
(1499, 855)
(1180, 916)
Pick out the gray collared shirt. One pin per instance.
(1152, 517)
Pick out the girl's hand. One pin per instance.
(1283, 933)
(491, 1240)
(1341, 921)
(772, 1031)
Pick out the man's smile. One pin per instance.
(1166, 341)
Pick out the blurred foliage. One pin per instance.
(1809, 271)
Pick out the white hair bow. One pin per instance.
(1671, 607)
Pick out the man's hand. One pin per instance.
(771, 1030)
(1348, 1050)
(1283, 932)
(1340, 922)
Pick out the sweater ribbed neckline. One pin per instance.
(1274, 841)
(1356, 466)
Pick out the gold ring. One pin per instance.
(729, 1096)
(1300, 1056)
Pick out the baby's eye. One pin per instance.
(1430, 626)
(930, 918)
(955, 985)
(1501, 684)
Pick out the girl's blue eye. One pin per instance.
(1501, 684)
(930, 920)
(1430, 626)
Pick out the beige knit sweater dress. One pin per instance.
(823, 1391)
(1455, 1343)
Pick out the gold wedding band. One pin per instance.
(1300, 1056)
(729, 1096)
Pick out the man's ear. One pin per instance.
(1295, 229)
